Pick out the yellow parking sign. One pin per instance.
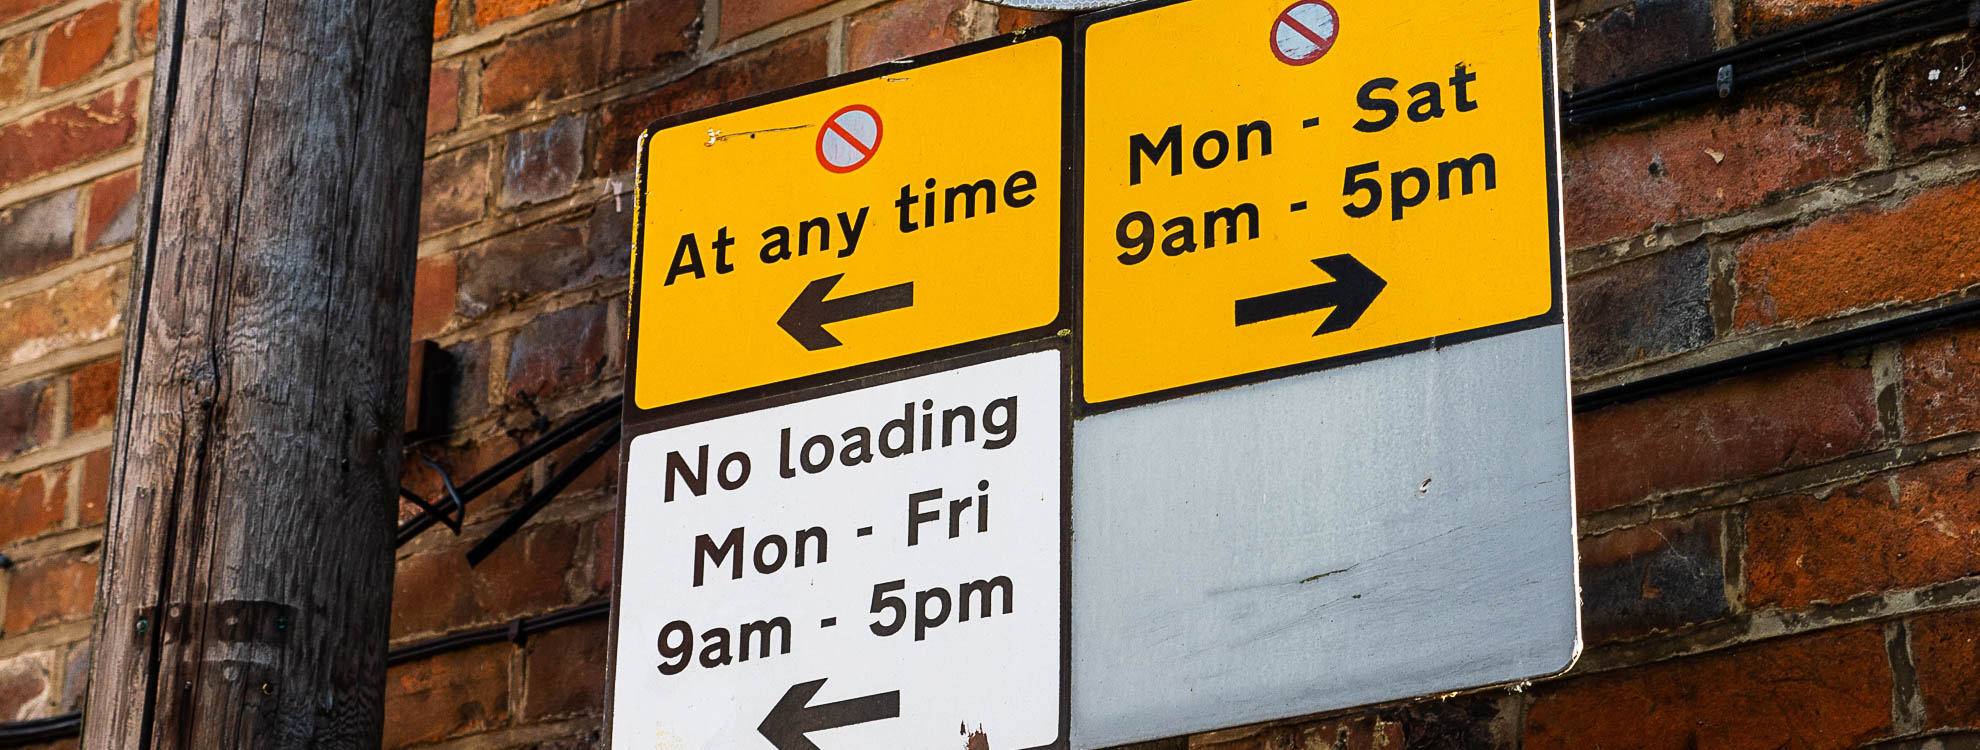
(1274, 184)
(917, 208)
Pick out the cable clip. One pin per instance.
(1726, 78)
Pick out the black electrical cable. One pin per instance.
(1861, 336)
(17, 733)
(513, 632)
(1770, 58)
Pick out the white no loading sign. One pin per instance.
(878, 568)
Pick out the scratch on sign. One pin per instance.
(717, 135)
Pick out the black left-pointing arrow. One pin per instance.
(806, 318)
(791, 718)
(1353, 289)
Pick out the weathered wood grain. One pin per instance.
(247, 575)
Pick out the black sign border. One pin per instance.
(1076, 137)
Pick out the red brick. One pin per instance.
(437, 591)
(32, 504)
(455, 189)
(37, 235)
(905, 28)
(1826, 691)
(565, 672)
(48, 591)
(1921, 248)
(84, 309)
(68, 134)
(76, 46)
(788, 63)
(1941, 384)
(1012, 19)
(443, 100)
(542, 164)
(533, 262)
(560, 351)
(27, 686)
(1935, 97)
(113, 209)
(740, 17)
(147, 25)
(13, 68)
(27, 417)
(12, 9)
(1352, 733)
(602, 474)
(582, 54)
(93, 489)
(93, 396)
(1945, 648)
(447, 695)
(1658, 577)
(1638, 37)
(648, 34)
(1640, 310)
(490, 11)
(433, 296)
(541, 65)
(1622, 182)
(1857, 540)
(611, 234)
(471, 397)
(1728, 431)
(443, 18)
(605, 554)
(1762, 17)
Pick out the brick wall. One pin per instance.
(1790, 558)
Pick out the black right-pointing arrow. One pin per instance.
(1353, 289)
(791, 719)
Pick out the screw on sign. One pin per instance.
(1304, 32)
(849, 138)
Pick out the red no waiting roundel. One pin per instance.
(849, 138)
(1304, 32)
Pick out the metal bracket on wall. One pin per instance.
(542, 497)
(1725, 80)
(488, 479)
(450, 517)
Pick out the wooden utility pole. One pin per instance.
(247, 576)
